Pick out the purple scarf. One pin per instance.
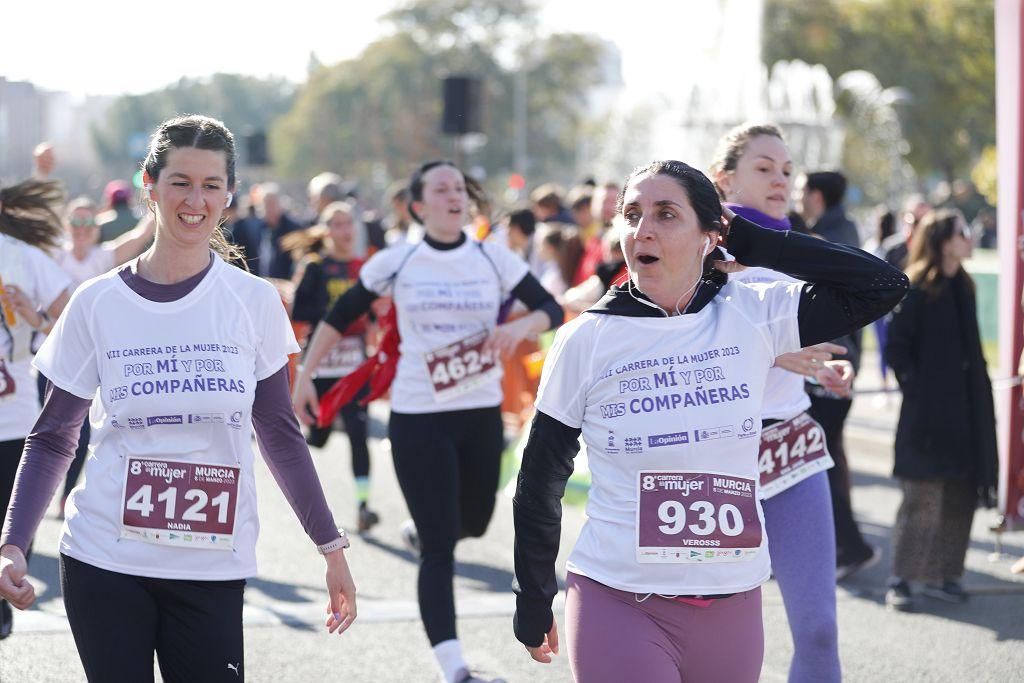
(762, 219)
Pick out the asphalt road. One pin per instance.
(980, 641)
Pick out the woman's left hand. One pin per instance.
(505, 338)
(341, 592)
(837, 377)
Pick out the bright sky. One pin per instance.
(117, 46)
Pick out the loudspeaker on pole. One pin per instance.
(462, 105)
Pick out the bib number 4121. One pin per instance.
(180, 503)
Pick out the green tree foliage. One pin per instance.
(941, 51)
(243, 102)
(382, 110)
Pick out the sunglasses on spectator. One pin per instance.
(82, 222)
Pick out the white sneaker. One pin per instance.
(410, 537)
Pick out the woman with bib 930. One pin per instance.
(445, 426)
(665, 379)
(184, 355)
(752, 171)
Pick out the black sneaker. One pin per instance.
(868, 560)
(367, 519)
(898, 596)
(949, 591)
(6, 619)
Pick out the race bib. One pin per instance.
(343, 358)
(696, 517)
(7, 386)
(461, 367)
(183, 504)
(791, 451)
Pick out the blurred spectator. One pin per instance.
(875, 245)
(83, 256)
(260, 235)
(118, 217)
(548, 206)
(521, 226)
(967, 200)
(43, 161)
(896, 247)
(797, 223)
(945, 449)
(820, 202)
(556, 247)
(984, 228)
(399, 226)
(602, 206)
(580, 199)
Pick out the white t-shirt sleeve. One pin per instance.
(68, 356)
(48, 278)
(276, 339)
(783, 302)
(567, 373)
(511, 268)
(377, 271)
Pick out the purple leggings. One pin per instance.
(801, 540)
(612, 637)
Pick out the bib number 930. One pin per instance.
(673, 513)
(690, 516)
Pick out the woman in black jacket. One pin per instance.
(946, 456)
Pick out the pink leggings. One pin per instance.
(611, 637)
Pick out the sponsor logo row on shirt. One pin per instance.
(635, 444)
(234, 420)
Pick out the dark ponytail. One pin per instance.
(29, 212)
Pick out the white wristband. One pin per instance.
(337, 544)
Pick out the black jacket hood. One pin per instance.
(629, 301)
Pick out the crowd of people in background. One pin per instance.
(334, 259)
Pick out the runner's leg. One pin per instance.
(480, 447)
(801, 540)
(199, 637)
(113, 619)
(426, 464)
(611, 638)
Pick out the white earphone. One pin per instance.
(707, 245)
(146, 188)
(227, 200)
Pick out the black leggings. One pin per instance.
(831, 414)
(120, 620)
(355, 419)
(447, 465)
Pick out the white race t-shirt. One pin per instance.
(99, 260)
(442, 297)
(42, 281)
(175, 383)
(664, 395)
(784, 394)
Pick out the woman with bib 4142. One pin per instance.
(752, 171)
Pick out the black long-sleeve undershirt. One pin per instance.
(845, 289)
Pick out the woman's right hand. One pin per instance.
(304, 400)
(14, 587)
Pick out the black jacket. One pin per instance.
(947, 420)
